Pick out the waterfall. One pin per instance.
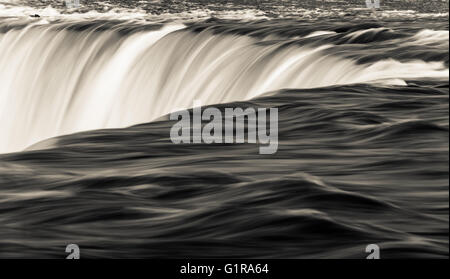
(62, 78)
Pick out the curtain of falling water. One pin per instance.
(56, 80)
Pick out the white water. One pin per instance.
(55, 81)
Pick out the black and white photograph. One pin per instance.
(224, 129)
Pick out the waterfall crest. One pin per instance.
(63, 78)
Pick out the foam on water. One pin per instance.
(50, 14)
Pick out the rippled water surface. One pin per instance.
(87, 158)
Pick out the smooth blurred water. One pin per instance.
(363, 137)
(355, 165)
(68, 77)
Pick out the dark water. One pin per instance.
(357, 162)
(355, 165)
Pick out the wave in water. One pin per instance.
(356, 164)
